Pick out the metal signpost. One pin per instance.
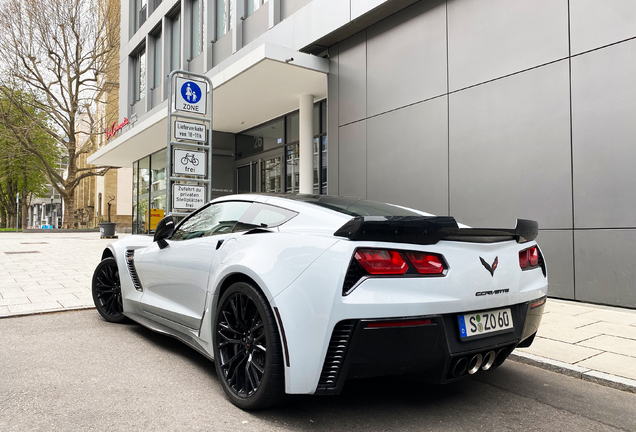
(189, 159)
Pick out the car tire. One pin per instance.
(106, 289)
(247, 349)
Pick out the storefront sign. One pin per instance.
(189, 162)
(189, 131)
(114, 128)
(187, 197)
(191, 96)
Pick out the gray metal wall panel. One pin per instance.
(352, 168)
(604, 132)
(407, 156)
(492, 38)
(605, 266)
(332, 121)
(558, 250)
(406, 55)
(288, 7)
(222, 48)
(256, 24)
(595, 23)
(352, 73)
(510, 150)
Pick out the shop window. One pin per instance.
(261, 138)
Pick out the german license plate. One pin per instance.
(484, 322)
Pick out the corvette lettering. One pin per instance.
(499, 291)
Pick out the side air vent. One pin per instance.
(130, 263)
(336, 353)
(355, 272)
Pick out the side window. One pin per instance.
(264, 216)
(215, 219)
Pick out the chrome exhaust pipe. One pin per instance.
(474, 364)
(489, 360)
(460, 367)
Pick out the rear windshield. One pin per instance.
(355, 207)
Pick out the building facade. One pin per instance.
(486, 110)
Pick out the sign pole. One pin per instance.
(17, 210)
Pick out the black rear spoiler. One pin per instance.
(427, 230)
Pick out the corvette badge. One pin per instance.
(490, 268)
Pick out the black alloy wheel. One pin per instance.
(247, 349)
(107, 291)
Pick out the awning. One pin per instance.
(264, 84)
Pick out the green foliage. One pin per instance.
(20, 170)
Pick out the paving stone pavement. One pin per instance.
(42, 272)
(47, 272)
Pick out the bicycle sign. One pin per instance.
(189, 162)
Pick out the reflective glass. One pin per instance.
(271, 175)
(143, 200)
(292, 174)
(158, 186)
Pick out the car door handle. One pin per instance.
(219, 243)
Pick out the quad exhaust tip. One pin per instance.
(489, 360)
(474, 364)
(460, 367)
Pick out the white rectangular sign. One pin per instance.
(191, 96)
(189, 162)
(187, 197)
(189, 131)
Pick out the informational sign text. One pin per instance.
(189, 131)
(187, 197)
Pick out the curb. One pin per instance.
(585, 374)
(44, 312)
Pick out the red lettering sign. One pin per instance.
(112, 131)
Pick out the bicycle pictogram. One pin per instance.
(189, 158)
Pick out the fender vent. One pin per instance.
(336, 353)
(130, 263)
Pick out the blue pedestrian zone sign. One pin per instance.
(191, 96)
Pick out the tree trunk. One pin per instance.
(3, 219)
(68, 222)
(24, 200)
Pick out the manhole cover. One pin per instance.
(21, 252)
(34, 243)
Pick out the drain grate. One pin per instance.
(34, 243)
(21, 252)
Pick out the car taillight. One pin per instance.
(533, 256)
(425, 263)
(381, 262)
(529, 258)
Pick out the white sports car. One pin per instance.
(295, 294)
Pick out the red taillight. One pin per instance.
(533, 256)
(425, 263)
(523, 259)
(529, 258)
(381, 262)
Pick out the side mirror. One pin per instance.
(164, 231)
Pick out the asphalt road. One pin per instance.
(73, 371)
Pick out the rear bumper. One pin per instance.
(427, 346)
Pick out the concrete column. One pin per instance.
(305, 144)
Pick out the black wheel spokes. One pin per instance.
(109, 291)
(242, 344)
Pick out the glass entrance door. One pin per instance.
(261, 175)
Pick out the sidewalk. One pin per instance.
(47, 271)
(52, 272)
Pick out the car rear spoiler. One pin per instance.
(427, 230)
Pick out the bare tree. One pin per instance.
(54, 57)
